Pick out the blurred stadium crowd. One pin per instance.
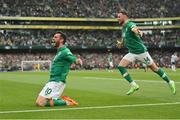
(89, 8)
(85, 38)
(98, 60)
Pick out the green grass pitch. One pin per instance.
(101, 95)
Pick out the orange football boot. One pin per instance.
(69, 100)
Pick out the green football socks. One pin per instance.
(125, 74)
(135, 87)
(55, 102)
(171, 83)
(163, 75)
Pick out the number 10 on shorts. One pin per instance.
(48, 91)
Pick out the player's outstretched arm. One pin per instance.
(137, 31)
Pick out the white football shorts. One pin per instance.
(52, 90)
(143, 57)
(111, 64)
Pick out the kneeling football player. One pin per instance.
(52, 91)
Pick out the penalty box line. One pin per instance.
(88, 108)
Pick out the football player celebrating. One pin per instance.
(132, 39)
(52, 91)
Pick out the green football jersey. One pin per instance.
(131, 40)
(61, 64)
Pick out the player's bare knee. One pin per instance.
(124, 63)
(154, 67)
(121, 64)
(40, 103)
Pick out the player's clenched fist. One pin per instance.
(119, 44)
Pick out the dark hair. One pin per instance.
(62, 35)
(124, 12)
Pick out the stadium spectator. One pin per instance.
(12, 61)
(90, 8)
(84, 38)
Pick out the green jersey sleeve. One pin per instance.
(132, 25)
(70, 57)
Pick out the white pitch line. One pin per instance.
(87, 108)
(115, 79)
